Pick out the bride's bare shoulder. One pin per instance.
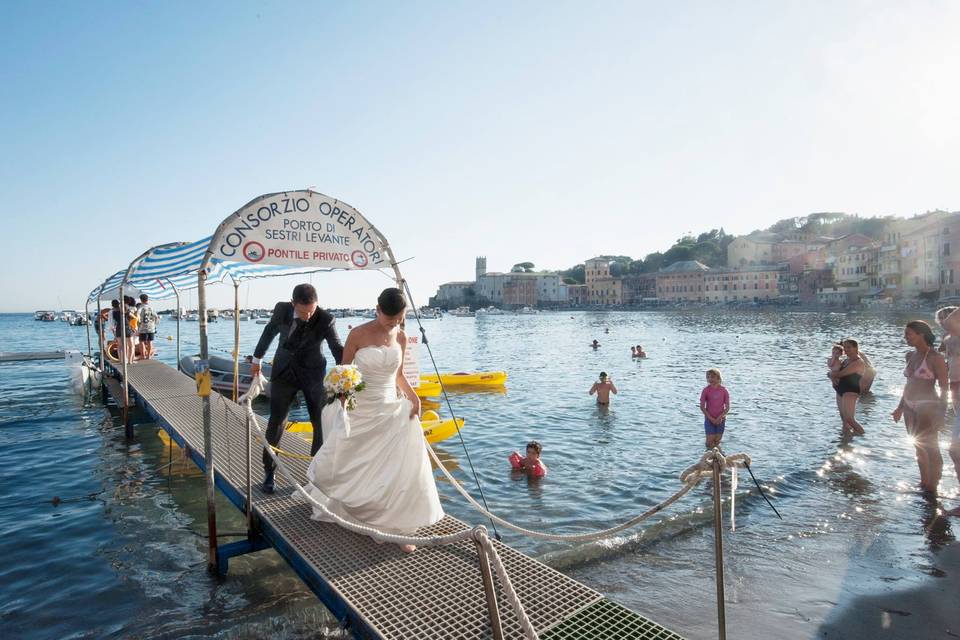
(361, 335)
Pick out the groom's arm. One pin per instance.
(333, 341)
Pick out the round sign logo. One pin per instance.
(359, 259)
(253, 251)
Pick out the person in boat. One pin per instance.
(951, 323)
(299, 365)
(846, 383)
(715, 405)
(921, 406)
(375, 469)
(148, 326)
(603, 388)
(531, 464)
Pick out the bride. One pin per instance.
(373, 467)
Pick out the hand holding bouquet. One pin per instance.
(343, 382)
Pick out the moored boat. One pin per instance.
(221, 369)
(476, 378)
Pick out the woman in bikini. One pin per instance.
(846, 382)
(921, 406)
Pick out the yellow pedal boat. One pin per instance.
(428, 389)
(434, 429)
(475, 379)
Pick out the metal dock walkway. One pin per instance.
(375, 589)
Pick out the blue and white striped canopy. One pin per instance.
(164, 267)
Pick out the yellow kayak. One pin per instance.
(428, 389)
(475, 379)
(434, 429)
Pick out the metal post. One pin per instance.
(249, 480)
(207, 429)
(177, 293)
(236, 340)
(86, 315)
(124, 328)
(718, 548)
(496, 627)
(101, 334)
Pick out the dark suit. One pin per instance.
(298, 365)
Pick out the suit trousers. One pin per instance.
(282, 394)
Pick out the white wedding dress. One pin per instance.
(373, 468)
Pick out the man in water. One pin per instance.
(299, 365)
(603, 388)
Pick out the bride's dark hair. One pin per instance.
(391, 301)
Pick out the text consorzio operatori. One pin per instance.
(246, 222)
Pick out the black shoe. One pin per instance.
(268, 484)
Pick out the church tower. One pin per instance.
(481, 267)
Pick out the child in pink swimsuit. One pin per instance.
(715, 404)
(532, 465)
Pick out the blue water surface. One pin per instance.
(123, 553)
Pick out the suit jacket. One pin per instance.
(299, 356)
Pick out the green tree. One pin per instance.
(653, 262)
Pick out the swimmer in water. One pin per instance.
(595, 344)
(603, 388)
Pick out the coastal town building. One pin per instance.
(639, 289)
(692, 281)
(602, 288)
(682, 281)
(511, 289)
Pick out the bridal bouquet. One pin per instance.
(343, 382)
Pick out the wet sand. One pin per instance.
(930, 610)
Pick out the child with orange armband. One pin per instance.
(532, 465)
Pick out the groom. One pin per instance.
(299, 365)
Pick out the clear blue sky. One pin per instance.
(540, 131)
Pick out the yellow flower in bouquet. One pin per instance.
(343, 382)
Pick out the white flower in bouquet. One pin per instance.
(343, 382)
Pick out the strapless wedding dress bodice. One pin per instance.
(378, 366)
(373, 467)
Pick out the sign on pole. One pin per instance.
(301, 229)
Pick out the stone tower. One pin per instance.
(481, 266)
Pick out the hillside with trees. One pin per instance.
(710, 247)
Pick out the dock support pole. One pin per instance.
(236, 340)
(718, 549)
(207, 429)
(496, 627)
(124, 331)
(177, 293)
(249, 479)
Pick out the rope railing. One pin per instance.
(690, 477)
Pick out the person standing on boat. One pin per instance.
(147, 327)
(298, 365)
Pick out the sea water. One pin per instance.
(104, 537)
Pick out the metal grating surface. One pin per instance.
(435, 593)
(606, 620)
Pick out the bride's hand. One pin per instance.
(414, 405)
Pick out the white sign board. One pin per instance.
(411, 365)
(300, 229)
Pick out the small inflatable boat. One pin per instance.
(221, 367)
